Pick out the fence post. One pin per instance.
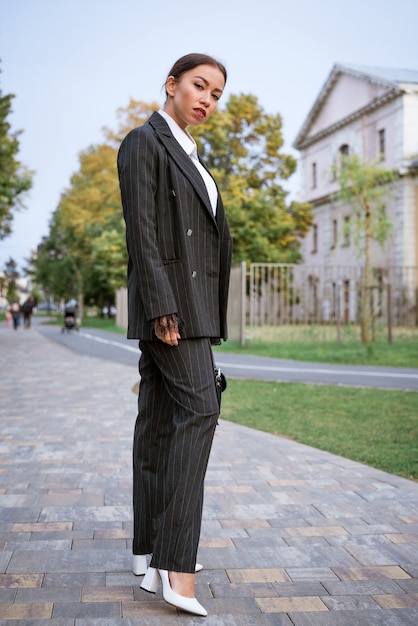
(389, 299)
(338, 310)
(243, 302)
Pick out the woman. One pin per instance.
(179, 249)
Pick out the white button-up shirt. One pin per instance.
(188, 144)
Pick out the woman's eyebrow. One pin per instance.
(207, 83)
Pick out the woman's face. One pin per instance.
(194, 96)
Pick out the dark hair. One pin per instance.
(190, 61)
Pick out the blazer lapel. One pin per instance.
(181, 158)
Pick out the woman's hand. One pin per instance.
(166, 329)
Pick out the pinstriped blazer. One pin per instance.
(179, 253)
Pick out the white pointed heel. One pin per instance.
(191, 605)
(139, 565)
(151, 580)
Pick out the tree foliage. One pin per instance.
(365, 187)
(53, 268)
(84, 255)
(9, 278)
(243, 147)
(15, 179)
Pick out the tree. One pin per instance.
(88, 223)
(52, 267)
(364, 186)
(11, 275)
(15, 179)
(131, 116)
(242, 145)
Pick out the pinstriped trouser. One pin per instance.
(177, 415)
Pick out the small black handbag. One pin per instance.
(220, 383)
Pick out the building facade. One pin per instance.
(372, 112)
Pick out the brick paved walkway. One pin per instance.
(291, 535)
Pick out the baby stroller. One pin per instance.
(70, 319)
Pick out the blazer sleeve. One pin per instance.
(139, 167)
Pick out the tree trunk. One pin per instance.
(366, 313)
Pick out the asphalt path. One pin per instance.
(117, 348)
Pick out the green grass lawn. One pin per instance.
(320, 345)
(317, 345)
(103, 324)
(376, 427)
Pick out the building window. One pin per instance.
(381, 144)
(334, 234)
(346, 231)
(344, 151)
(314, 239)
(314, 181)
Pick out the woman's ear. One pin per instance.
(170, 85)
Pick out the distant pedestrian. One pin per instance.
(9, 318)
(15, 309)
(27, 310)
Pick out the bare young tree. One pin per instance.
(365, 186)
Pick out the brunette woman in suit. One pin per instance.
(179, 249)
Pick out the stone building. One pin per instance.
(372, 112)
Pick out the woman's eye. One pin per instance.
(198, 85)
(215, 97)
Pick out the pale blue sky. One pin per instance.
(71, 64)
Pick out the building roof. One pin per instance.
(381, 74)
(395, 80)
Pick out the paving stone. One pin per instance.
(4, 560)
(26, 611)
(397, 601)
(119, 533)
(106, 594)
(257, 575)
(61, 580)
(392, 572)
(304, 588)
(246, 589)
(368, 587)
(17, 581)
(60, 544)
(99, 544)
(290, 605)
(410, 586)
(77, 610)
(48, 594)
(349, 603)
(316, 531)
(7, 596)
(313, 573)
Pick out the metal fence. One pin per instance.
(275, 294)
(307, 294)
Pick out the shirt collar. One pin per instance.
(182, 136)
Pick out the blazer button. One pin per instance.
(194, 274)
(189, 232)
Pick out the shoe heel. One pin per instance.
(151, 580)
(139, 565)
